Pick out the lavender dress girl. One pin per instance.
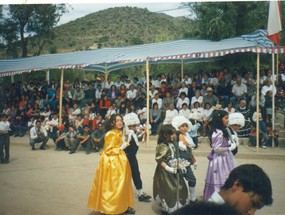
(221, 163)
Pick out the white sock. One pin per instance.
(192, 193)
(139, 192)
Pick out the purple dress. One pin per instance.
(221, 163)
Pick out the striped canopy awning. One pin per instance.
(110, 59)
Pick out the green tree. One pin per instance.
(35, 20)
(220, 20)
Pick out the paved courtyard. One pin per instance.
(51, 182)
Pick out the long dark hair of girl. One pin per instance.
(164, 134)
(110, 123)
(217, 123)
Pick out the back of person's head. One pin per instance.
(207, 208)
(253, 179)
(164, 134)
(217, 121)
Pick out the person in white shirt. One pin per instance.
(4, 139)
(247, 189)
(170, 114)
(187, 80)
(230, 108)
(185, 111)
(268, 87)
(183, 89)
(152, 91)
(131, 94)
(239, 91)
(75, 111)
(183, 99)
(98, 93)
(157, 100)
(197, 98)
(38, 134)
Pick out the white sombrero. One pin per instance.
(131, 119)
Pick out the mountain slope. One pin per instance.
(115, 27)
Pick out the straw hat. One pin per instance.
(218, 107)
(210, 89)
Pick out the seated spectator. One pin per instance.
(244, 131)
(51, 126)
(111, 110)
(131, 95)
(113, 93)
(59, 138)
(78, 96)
(155, 118)
(69, 138)
(122, 109)
(185, 111)
(19, 124)
(230, 108)
(223, 93)
(197, 110)
(157, 100)
(98, 93)
(197, 98)
(36, 111)
(162, 90)
(272, 136)
(74, 112)
(170, 114)
(83, 139)
(79, 123)
(183, 89)
(38, 134)
(123, 91)
(209, 97)
(207, 114)
(183, 99)
(104, 105)
(239, 91)
(166, 101)
(97, 137)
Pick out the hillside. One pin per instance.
(115, 27)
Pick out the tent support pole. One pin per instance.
(147, 101)
(60, 97)
(273, 95)
(277, 67)
(182, 70)
(257, 100)
(12, 79)
(47, 76)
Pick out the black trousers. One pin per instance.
(136, 175)
(4, 147)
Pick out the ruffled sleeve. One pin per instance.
(112, 142)
(161, 151)
(219, 142)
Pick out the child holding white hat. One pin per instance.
(236, 121)
(185, 144)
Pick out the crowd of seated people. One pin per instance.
(87, 104)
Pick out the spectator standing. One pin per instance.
(4, 139)
(155, 118)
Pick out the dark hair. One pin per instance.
(253, 179)
(112, 121)
(182, 93)
(164, 134)
(207, 208)
(217, 122)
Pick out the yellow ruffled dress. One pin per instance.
(111, 191)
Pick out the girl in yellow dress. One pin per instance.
(111, 191)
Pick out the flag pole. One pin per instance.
(60, 97)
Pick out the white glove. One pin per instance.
(171, 169)
(195, 165)
(124, 145)
(183, 170)
(232, 146)
(182, 147)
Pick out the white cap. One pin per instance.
(236, 119)
(177, 121)
(131, 119)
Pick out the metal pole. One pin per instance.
(47, 76)
(147, 101)
(257, 100)
(182, 70)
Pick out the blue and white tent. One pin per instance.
(110, 59)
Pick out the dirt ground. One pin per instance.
(51, 182)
